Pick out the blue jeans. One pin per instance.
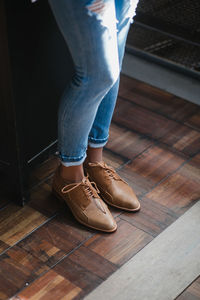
(95, 32)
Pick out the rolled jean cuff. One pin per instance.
(71, 161)
(97, 143)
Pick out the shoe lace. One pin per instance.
(90, 187)
(110, 171)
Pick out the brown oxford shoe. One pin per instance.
(85, 204)
(113, 189)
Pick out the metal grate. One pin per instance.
(168, 30)
(165, 47)
(184, 13)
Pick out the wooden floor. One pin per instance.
(155, 146)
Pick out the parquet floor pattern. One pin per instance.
(154, 144)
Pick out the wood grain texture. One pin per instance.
(93, 262)
(51, 242)
(121, 245)
(113, 159)
(184, 139)
(150, 167)
(78, 275)
(153, 145)
(85, 268)
(38, 252)
(192, 292)
(18, 268)
(156, 100)
(141, 120)
(180, 190)
(51, 286)
(153, 217)
(194, 121)
(195, 161)
(127, 83)
(16, 222)
(3, 246)
(127, 143)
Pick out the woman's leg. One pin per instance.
(89, 29)
(113, 189)
(125, 11)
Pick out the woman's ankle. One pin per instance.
(72, 174)
(94, 155)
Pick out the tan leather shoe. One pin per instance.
(113, 189)
(86, 205)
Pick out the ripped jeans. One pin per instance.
(95, 32)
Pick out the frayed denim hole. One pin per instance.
(97, 7)
(102, 11)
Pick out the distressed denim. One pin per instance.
(95, 32)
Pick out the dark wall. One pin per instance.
(41, 68)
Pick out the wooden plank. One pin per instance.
(3, 246)
(141, 120)
(150, 167)
(85, 269)
(155, 99)
(195, 161)
(127, 83)
(78, 275)
(93, 262)
(180, 190)
(183, 138)
(130, 85)
(192, 292)
(121, 245)
(153, 217)
(39, 252)
(51, 286)
(194, 121)
(16, 222)
(159, 271)
(126, 143)
(55, 239)
(113, 159)
(18, 268)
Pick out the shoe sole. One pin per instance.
(122, 208)
(80, 221)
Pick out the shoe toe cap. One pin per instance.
(103, 221)
(126, 199)
(132, 203)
